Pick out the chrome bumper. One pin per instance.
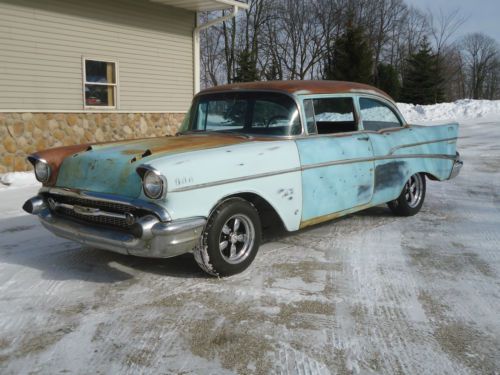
(457, 166)
(149, 237)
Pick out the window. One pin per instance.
(334, 115)
(248, 113)
(99, 83)
(377, 115)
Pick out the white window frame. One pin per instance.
(113, 85)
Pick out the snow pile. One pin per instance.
(466, 109)
(17, 179)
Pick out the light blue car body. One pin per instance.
(307, 179)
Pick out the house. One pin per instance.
(74, 71)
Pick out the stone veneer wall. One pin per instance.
(24, 133)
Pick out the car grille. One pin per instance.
(109, 207)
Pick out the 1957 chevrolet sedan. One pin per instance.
(294, 152)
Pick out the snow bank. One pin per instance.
(17, 179)
(466, 109)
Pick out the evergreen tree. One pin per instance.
(273, 71)
(388, 80)
(247, 68)
(351, 58)
(423, 80)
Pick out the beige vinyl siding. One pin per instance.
(42, 43)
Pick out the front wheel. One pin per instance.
(231, 239)
(411, 198)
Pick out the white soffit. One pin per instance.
(203, 5)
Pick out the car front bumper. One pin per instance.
(149, 236)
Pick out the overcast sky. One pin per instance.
(483, 15)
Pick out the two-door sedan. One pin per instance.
(296, 152)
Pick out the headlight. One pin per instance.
(42, 171)
(153, 185)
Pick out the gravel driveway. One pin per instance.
(369, 293)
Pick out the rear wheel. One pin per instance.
(231, 239)
(411, 198)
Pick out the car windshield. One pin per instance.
(249, 113)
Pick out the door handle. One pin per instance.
(363, 138)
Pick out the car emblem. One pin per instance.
(85, 210)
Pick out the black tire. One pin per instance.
(242, 239)
(412, 197)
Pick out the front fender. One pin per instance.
(197, 181)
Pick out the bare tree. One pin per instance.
(480, 54)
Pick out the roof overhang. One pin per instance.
(203, 5)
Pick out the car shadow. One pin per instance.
(24, 242)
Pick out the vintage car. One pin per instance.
(247, 155)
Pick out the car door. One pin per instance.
(388, 134)
(336, 159)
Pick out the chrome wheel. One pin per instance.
(236, 239)
(414, 190)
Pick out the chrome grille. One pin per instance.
(103, 205)
(111, 207)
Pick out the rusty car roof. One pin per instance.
(301, 87)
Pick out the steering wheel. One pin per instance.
(276, 117)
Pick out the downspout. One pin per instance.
(196, 42)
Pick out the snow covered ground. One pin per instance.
(369, 293)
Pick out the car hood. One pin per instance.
(111, 167)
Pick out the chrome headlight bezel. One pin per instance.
(152, 177)
(41, 168)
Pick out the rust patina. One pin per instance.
(143, 147)
(301, 87)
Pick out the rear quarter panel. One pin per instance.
(415, 149)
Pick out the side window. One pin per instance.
(309, 112)
(377, 115)
(334, 115)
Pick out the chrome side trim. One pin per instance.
(313, 166)
(236, 179)
(394, 149)
(159, 211)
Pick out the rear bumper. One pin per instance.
(150, 237)
(457, 166)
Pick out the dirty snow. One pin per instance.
(369, 293)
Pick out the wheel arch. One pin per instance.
(268, 214)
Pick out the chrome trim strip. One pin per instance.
(236, 179)
(394, 149)
(159, 211)
(313, 166)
